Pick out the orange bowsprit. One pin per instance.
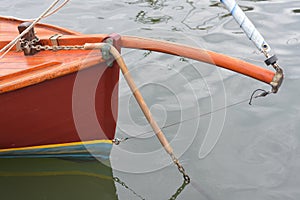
(195, 53)
(199, 54)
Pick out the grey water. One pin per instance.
(257, 155)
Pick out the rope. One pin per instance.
(186, 120)
(45, 14)
(57, 9)
(263, 94)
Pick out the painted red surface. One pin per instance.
(44, 113)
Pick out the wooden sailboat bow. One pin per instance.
(85, 43)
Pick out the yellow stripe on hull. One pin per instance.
(56, 145)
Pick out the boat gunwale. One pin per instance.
(47, 71)
(40, 25)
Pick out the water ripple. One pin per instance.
(269, 154)
(143, 17)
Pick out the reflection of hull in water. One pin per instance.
(55, 179)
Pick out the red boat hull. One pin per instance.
(44, 113)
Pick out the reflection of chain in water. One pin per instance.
(117, 180)
(173, 197)
(179, 190)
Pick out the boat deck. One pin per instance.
(15, 62)
(15, 66)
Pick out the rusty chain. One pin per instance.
(33, 44)
(186, 177)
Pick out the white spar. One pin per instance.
(211, 140)
(247, 26)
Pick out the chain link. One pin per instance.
(56, 48)
(186, 177)
(32, 44)
(26, 45)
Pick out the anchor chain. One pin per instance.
(27, 45)
(186, 177)
(56, 48)
(33, 44)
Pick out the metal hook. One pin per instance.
(263, 94)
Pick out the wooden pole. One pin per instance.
(140, 100)
(137, 94)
